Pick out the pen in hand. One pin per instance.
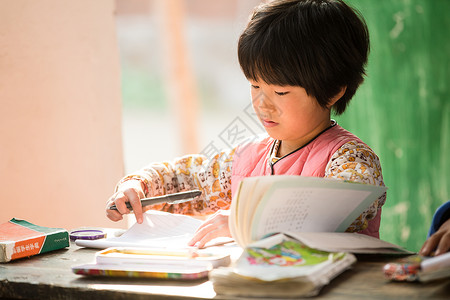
(174, 198)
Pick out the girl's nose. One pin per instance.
(263, 102)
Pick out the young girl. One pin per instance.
(303, 58)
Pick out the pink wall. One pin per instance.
(60, 122)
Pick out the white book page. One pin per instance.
(159, 229)
(311, 204)
(259, 188)
(307, 209)
(234, 221)
(239, 210)
(345, 242)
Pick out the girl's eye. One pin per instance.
(255, 86)
(281, 93)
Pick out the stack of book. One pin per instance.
(162, 263)
(280, 267)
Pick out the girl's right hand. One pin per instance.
(130, 191)
(215, 226)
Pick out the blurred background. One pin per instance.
(167, 81)
(176, 56)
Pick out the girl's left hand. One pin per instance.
(214, 227)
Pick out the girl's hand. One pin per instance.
(130, 191)
(440, 241)
(215, 226)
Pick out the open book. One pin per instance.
(158, 230)
(271, 204)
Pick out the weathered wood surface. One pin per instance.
(49, 276)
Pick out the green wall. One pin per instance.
(403, 110)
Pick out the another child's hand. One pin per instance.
(214, 227)
(129, 191)
(440, 241)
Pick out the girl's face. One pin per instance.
(288, 114)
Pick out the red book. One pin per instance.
(19, 238)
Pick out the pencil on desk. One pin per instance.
(174, 198)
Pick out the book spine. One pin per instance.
(27, 247)
(6, 250)
(139, 274)
(34, 245)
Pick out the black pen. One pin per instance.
(174, 198)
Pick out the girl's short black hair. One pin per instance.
(320, 45)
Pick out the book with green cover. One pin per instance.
(19, 238)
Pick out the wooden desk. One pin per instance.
(49, 276)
